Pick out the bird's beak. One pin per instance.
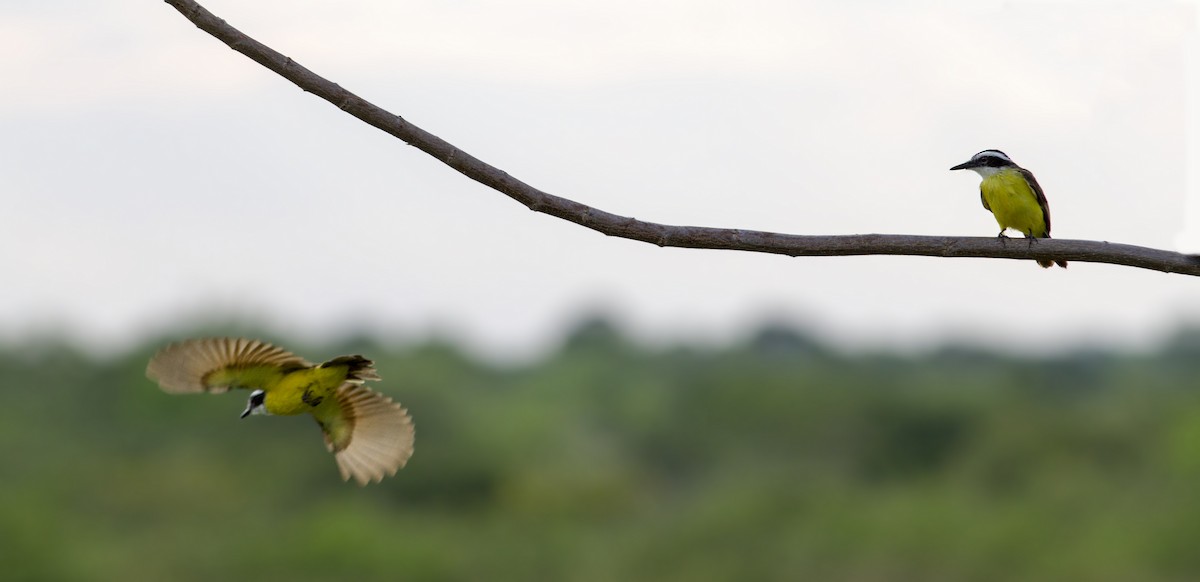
(247, 412)
(962, 166)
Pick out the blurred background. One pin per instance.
(591, 408)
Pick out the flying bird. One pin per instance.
(1012, 195)
(369, 435)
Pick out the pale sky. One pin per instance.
(151, 177)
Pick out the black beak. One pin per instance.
(246, 413)
(963, 166)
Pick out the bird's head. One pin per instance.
(255, 405)
(987, 162)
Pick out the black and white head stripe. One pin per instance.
(992, 158)
(255, 405)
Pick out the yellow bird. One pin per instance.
(369, 435)
(1012, 195)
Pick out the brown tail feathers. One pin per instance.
(359, 368)
(1050, 263)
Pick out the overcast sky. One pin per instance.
(151, 177)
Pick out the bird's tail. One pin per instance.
(358, 368)
(1051, 263)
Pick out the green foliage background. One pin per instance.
(776, 459)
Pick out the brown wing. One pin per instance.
(218, 364)
(370, 436)
(1041, 196)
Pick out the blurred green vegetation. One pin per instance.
(773, 459)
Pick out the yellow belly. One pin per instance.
(1013, 203)
(303, 390)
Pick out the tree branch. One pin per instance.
(665, 235)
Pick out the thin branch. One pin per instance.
(664, 235)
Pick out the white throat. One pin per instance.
(987, 171)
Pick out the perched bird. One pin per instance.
(369, 435)
(1013, 196)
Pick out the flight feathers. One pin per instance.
(213, 364)
(372, 437)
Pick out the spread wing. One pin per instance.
(1041, 196)
(218, 364)
(370, 436)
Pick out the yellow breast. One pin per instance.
(1013, 203)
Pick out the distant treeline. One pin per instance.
(774, 459)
